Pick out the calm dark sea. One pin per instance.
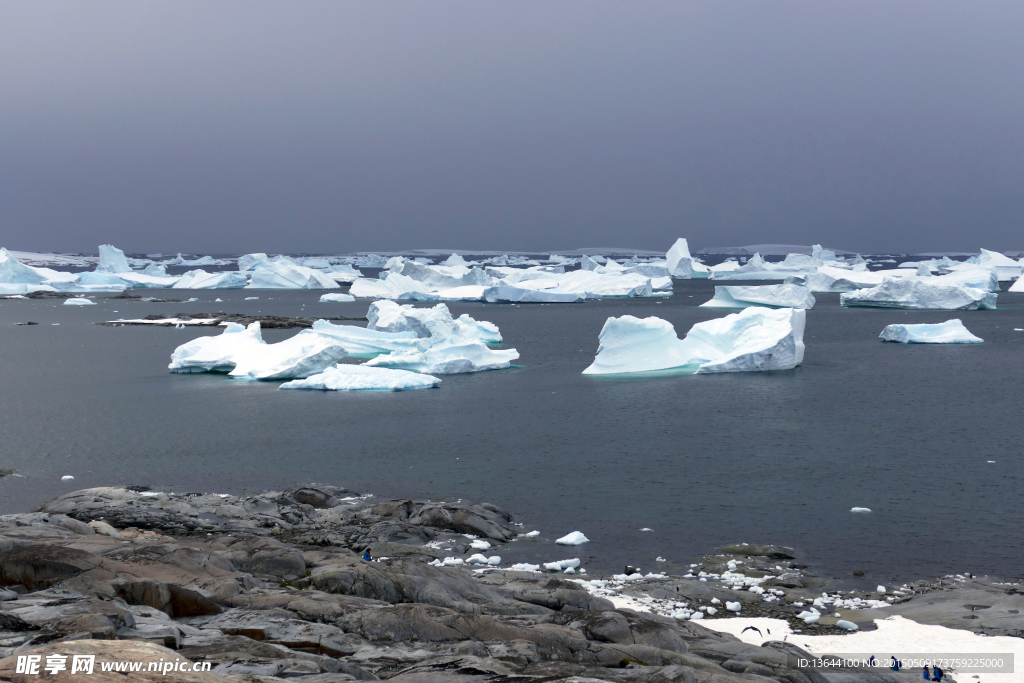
(702, 460)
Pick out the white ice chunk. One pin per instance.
(1006, 268)
(561, 565)
(949, 332)
(336, 297)
(286, 275)
(923, 293)
(733, 606)
(755, 339)
(480, 544)
(860, 510)
(79, 301)
(200, 279)
(217, 353)
(678, 260)
(525, 567)
(846, 625)
(347, 377)
(449, 359)
(250, 261)
(434, 323)
(520, 295)
(396, 286)
(305, 354)
(574, 538)
(360, 341)
(777, 296)
(112, 260)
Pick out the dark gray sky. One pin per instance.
(236, 126)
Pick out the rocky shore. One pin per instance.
(273, 586)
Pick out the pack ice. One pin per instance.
(949, 332)
(776, 296)
(920, 293)
(755, 339)
(346, 377)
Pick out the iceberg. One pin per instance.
(359, 341)
(464, 293)
(574, 538)
(250, 261)
(520, 295)
(396, 286)
(1006, 268)
(216, 353)
(148, 281)
(439, 276)
(776, 296)
(346, 377)
(755, 339)
(336, 297)
(1017, 286)
(949, 332)
(678, 260)
(286, 275)
(78, 301)
(305, 354)
(434, 323)
(920, 293)
(449, 359)
(14, 272)
(343, 273)
(834, 279)
(112, 260)
(200, 279)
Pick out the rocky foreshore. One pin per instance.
(273, 586)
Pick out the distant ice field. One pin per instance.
(905, 430)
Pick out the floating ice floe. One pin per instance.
(169, 322)
(520, 295)
(79, 301)
(919, 293)
(336, 297)
(347, 377)
(200, 279)
(449, 359)
(755, 339)
(949, 332)
(492, 561)
(434, 323)
(574, 538)
(775, 296)
(860, 510)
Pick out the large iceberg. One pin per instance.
(1017, 286)
(434, 323)
(395, 286)
(241, 352)
(775, 296)
(200, 279)
(678, 260)
(438, 276)
(251, 261)
(521, 295)
(286, 275)
(359, 341)
(755, 339)
(949, 332)
(920, 293)
(112, 260)
(342, 273)
(216, 353)
(1006, 268)
(346, 377)
(449, 359)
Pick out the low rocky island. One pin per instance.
(275, 585)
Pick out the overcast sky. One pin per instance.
(237, 126)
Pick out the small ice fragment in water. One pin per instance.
(193, 299)
(66, 477)
(846, 625)
(214, 300)
(992, 461)
(78, 301)
(531, 534)
(646, 529)
(575, 538)
(880, 589)
(660, 559)
(860, 509)
(251, 298)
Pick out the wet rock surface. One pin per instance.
(273, 586)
